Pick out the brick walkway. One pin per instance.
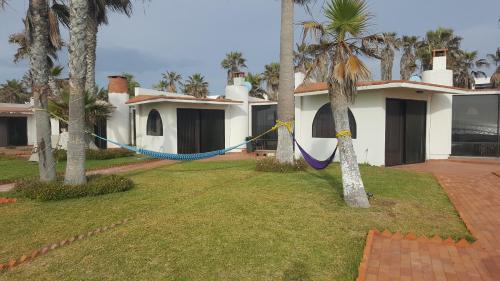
(474, 189)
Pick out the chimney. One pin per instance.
(239, 79)
(117, 84)
(439, 74)
(299, 79)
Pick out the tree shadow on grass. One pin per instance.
(333, 181)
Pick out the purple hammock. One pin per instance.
(313, 162)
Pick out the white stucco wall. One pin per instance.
(237, 114)
(369, 112)
(31, 128)
(118, 125)
(168, 112)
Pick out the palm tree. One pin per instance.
(233, 63)
(286, 85)
(442, 38)
(408, 63)
(132, 83)
(171, 79)
(495, 59)
(13, 91)
(344, 33)
(75, 167)
(391, 43)
(196, 86)
(98, 15)
(37, 39)
(271, 76)
(466, 68)
(256, 81)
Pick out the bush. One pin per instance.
(100, 154)
(270, 164)
(57, 190)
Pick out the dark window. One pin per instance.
(476, 125)
(264, 118)
(324, 125)
(154, 125)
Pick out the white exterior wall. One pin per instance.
(238, 115)
(369, 110)
(118, 125)
(31, 127)
(168, 112)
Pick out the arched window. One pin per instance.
(324, 126)
(154, 125)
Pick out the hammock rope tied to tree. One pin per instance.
(313, 162)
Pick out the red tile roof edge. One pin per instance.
(322, 86)
(150, 98)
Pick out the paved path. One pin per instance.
(148, 165)
(474, 189)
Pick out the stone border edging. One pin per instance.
(44, 250)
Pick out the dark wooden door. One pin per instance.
(4, 132)
(200, 130)
(394, 132)
(415, 131)
(405, 131)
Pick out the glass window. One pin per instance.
(154, 124)
(324, 125)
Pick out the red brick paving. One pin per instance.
(474, 189)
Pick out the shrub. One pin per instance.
(271, 164)
(57, 190)
(92, 154)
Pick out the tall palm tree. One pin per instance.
(38, 48)
(233, 63)
(256, 81)
(75, 168)
(286, 86)
(467, 67)
(131, 82)
(495, 59)
(441, 38)
(13, 91)
(408, 63)
(344, 33)
(98, 15)
(271, 76)
(391, 43)
(196, 86)
(171, 79)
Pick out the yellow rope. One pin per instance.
(344, 133)
(288, 125)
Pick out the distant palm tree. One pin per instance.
(466, 68)
(442, 38)
(131, 82)
(408, 63)
(171, 80)
(344, 35)
(196, 86)
(233, 63)
(271, 76)
(495, 59)
(391, 44)
(13, 91)
(256, 81)
(98, 15)
(75, 167)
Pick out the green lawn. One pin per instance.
(16, 168)
(222, 221)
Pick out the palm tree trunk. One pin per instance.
(91, 41)
(286, 108)
(53, 86)
(387, 64)
(40, 74)
(354, 190)
(75, 168)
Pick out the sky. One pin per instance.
(190, 36)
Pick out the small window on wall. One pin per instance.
(324, 126)
(154, 124)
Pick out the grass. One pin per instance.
(223, 221)
(17, 168)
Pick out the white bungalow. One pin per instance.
(393, 122)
